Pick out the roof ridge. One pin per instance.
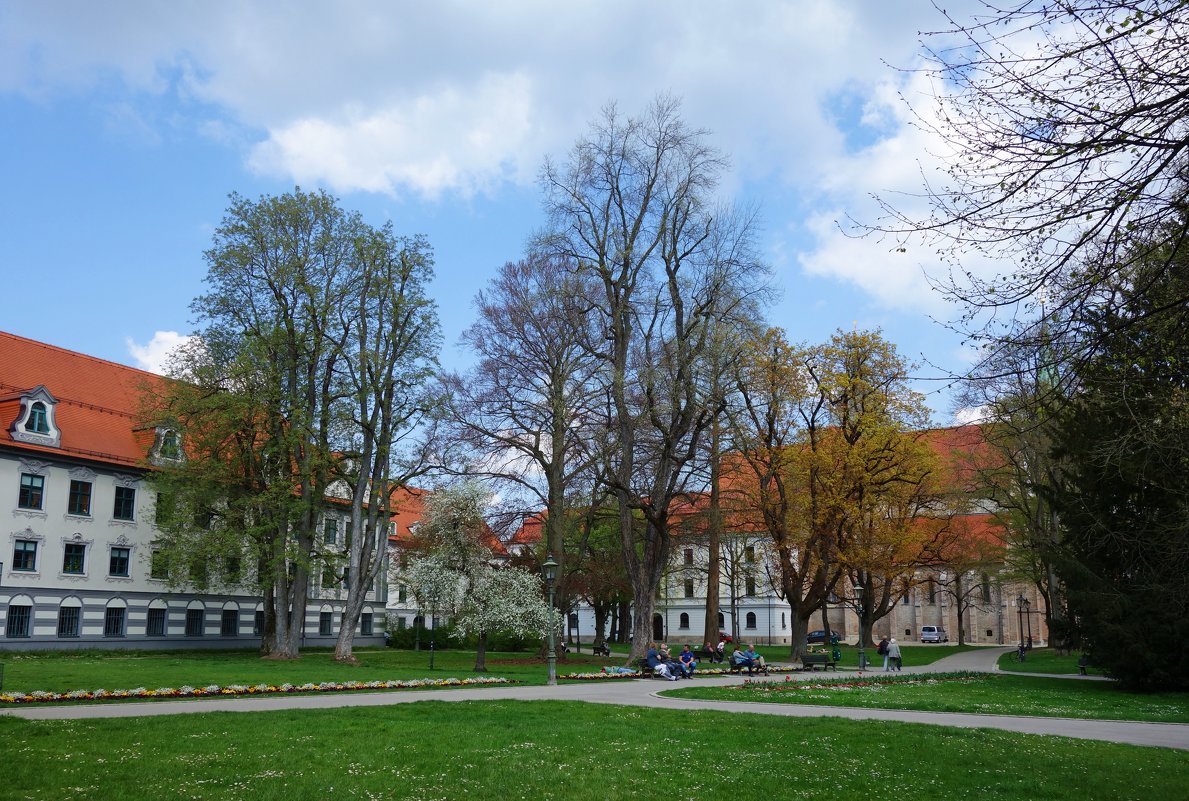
(80, 354)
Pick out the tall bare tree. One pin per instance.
(632, 209)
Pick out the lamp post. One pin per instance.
(859, 608)
(433, 630)
(549, 571)
(1028, 620)
(1020, 601)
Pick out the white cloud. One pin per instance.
(971, 414)
(155, 355)
(463, 141)
(454, 96)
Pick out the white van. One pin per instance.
(933, 634)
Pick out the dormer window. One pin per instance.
(37, 420)
(35, 424)
(167, 446)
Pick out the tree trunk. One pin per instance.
(481, 653)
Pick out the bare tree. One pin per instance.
(1068, 125)
(525, 409)
(632, 210)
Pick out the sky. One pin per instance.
(124, 126)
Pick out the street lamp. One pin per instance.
(1020, 601)
(549, 571)
(859, 608)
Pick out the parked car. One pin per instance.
(820, 637)
(933, 634)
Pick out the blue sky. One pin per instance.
(125, 125)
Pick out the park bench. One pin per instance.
(811, 661)
(734, 668)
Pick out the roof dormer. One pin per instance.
(36, 424)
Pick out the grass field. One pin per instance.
(558, 750)
(988, 695)
(1044, 660)
(64, 671)
(90, 670)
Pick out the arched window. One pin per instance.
(722, 621)
(751, 620)
(683, 621)
(169, 445)
(38, 421)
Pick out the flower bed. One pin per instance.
(635, 674)
(856, 683)
(212, 690)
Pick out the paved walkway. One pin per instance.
(646, 693)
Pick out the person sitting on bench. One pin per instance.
(658, 664)
(757, 661)
(741, 660)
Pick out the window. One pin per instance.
(402, 594)
(751, 620)
(24, 555)
(722, 621)
(194, 622)
(74, 558)
(366, 624)
(683, 621)
(784, 623)
(159, 565)
(32, 490)
(163, 509)
(118, 565)
(229, 624)
(330, 531)
(68, 621)
(258, 622)
(170, 448)
(330, 579)
(750, 586)
(125, 505)
(325, 621)
(401, 624)
(155, 625)
(79, 502)
(38, 421)
(932, 590)
(231, 569)
(113, 621)
(749, 553)
(689, 588)
(19, 618)
(986, 589)
(689, 556)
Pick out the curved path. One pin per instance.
(646, 693)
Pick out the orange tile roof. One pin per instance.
(98, 401)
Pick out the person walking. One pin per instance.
(882, 650)
(893, 654)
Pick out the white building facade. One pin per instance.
(77, 566)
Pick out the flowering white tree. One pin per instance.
(458, 577)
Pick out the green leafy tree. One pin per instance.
(1122, 440)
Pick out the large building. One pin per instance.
(992, 609)
(76, 564)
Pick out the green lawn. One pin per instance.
(983, 694)
(557, 750)
(110, 670)
(1044, 660)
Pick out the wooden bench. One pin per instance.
(733, 668)
(811, 661)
